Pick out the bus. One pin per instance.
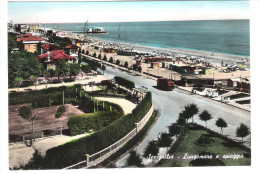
(165, 84)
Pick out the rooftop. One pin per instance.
(56, 55)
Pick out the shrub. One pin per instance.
(117, 61)
(73, 152)
(60, 111)
(105, 58)
(92, 64)
(69, 80)
(55, 81)
(95, 121)
(94, 54)
(126, 64)
(134, 159)
(124, 82)
(132, 142)
(111, 60)
(45, 97)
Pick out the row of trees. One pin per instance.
(117, 62)
(192, 109)
(176, 129)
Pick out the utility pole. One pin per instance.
(158, 69)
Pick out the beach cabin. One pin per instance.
(204, 70)
(201, 82)
(155, 65)
(183, 69)
(167, 65)
(230, 82)
(244, 85)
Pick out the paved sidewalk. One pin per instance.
(126, 105)
(20, 154)
(97, 79)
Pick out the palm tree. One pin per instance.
(205, 116)
(151, 149)
(242, 131)
(192, 109)
(165, 140)
(185, 114)
(175, 129)
(134, 159)
(222, 124)
(181, 121)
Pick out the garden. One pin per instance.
(105, 120)
(210, 144)
(191, 144)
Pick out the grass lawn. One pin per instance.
(220, 147)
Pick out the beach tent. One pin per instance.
(193, 57)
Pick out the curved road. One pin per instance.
(171, 103)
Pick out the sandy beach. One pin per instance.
(210, 56)
(216, 71)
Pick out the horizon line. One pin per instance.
(128, 21)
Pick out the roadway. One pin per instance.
(171, 103)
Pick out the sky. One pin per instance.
(74, 12)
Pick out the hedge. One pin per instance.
(60, 111)
(79, 124)
(124, 82)
(69, 80)
(74, 152)
(42, 97)
(131, 143)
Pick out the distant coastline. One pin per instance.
(229, 37)
(140, 21)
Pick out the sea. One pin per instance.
(218, 36)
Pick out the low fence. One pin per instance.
(94, 159)
(37, 134)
